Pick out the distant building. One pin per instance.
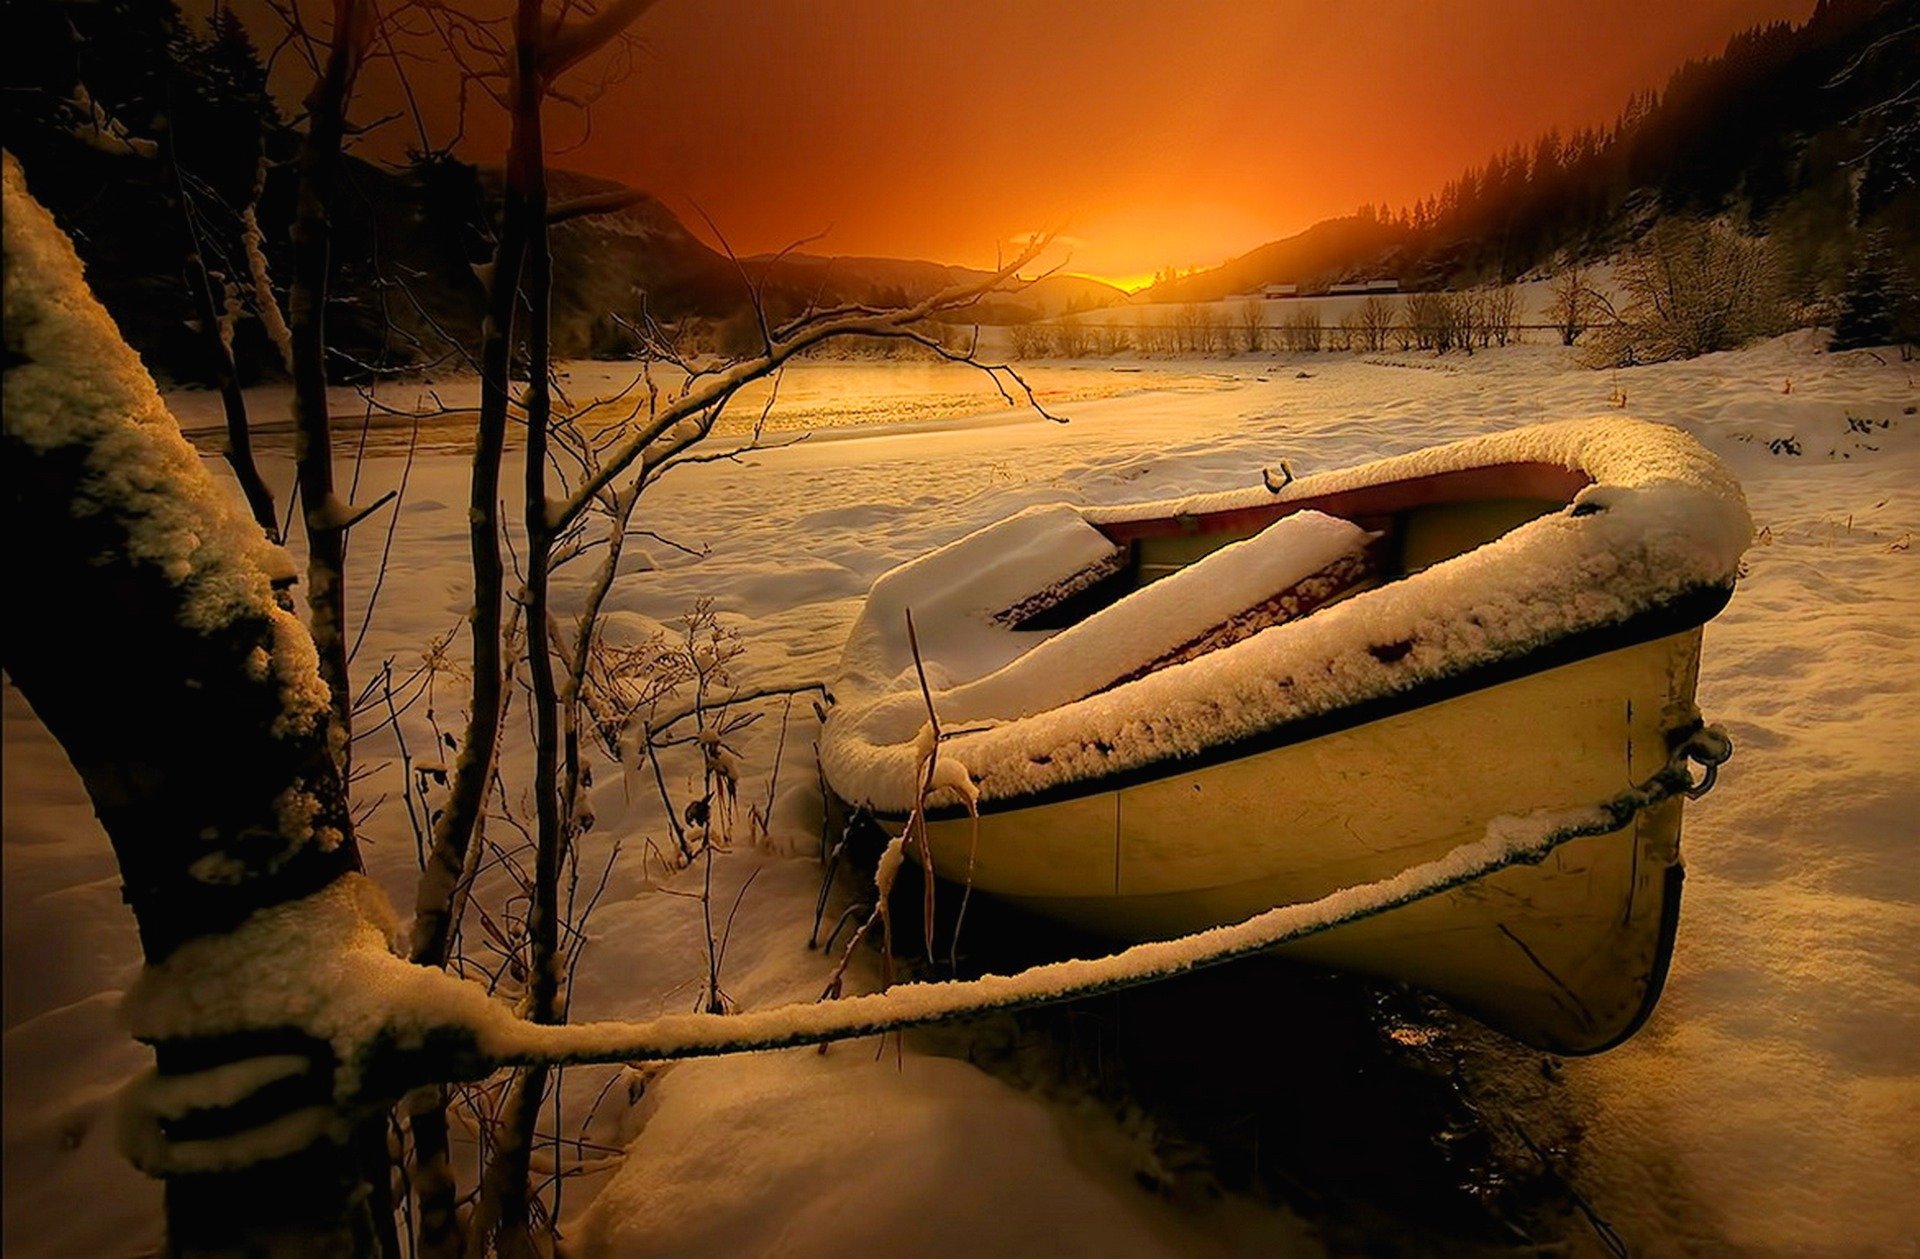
(1274, 292)
(1351, 287)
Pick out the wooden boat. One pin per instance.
(1174, 715)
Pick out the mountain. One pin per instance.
(894, 281)
(1354, 247)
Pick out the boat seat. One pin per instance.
(1245, 584)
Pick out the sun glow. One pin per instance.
(1125, 283)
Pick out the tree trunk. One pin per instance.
(319, 167)
(151, 647)
(506, 1188)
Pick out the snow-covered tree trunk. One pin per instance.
(145, 634)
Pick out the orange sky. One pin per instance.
(1153, 134)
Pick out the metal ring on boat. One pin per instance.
(1708, 747)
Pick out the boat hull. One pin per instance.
(1568, 955)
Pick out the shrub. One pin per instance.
(1689, 287)
(1300, 330)
(1029, 340)
(1253, 325)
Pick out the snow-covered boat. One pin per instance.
(1179, 714)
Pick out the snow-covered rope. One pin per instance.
(1514, 840)
(317, 973)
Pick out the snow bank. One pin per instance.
(846, 1155)
(1663, 518)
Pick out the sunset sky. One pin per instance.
(1150, 134)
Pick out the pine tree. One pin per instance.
(1868, 306)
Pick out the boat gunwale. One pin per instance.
(1689, 610)
(1531, 479)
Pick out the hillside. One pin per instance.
(1329, 251)
(1809, 132)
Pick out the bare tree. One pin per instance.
(1572, 301)
(1070, 336)
(1111, 337)
(1349, 334)
(1209, 328)
(224, 677)
(1300, 330)
(1030, 340)
(1253, 325)
(1377, 320)
(1500, 311)
(327, 519)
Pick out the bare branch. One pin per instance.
(566, 45)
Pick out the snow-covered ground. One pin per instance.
(1772, 1104)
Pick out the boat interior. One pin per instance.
(1420, 521)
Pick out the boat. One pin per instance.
(1161, 717)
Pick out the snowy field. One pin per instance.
(1771, 1105)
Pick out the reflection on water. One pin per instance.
(610, 396)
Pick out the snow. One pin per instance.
(1769, 1105)
(1128, 635)
(927, 1159)
(957, 594)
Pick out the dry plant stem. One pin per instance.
(926, 788)
(966, 893)
(915, 829)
